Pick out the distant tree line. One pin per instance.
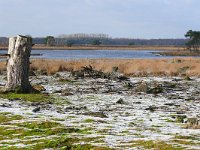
(3, 41)
(50, 41)
(193, 44)
(119, 41)
(84, 35)
(99, 39)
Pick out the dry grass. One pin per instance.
(110, 47)
(104, 47)
(131, 67)
(180, 53)
(2, 66)
(137, 67)
(193, 127)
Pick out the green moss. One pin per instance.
(70, 117)
(186, 142)
(48, 128)
(40, 144)
(10, 133)
(85, 131)
(62, 143)
(62, 80)
(89, 147)
(186, 137)
(61, 101)
(6, 117)
(94, 139)
(5, 113)
(58, 119)
(125, 131)
(39, 97)
(49, 135)
(40, 125)
(169, 120)
(180, 119)
(140, 120)
(89, 120)
(155, 145)
(21, 130)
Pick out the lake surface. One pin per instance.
(94, 54)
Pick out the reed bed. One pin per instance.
(130, 67)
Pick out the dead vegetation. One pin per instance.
(180, 53)
(130, 67)
(109, 47)
(193, 123)
(137, 67)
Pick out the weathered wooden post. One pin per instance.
(18, 64)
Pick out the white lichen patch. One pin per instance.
(115, 113)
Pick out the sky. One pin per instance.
(118, 18)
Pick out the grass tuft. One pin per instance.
(39, 97)
(158, 145)
(6, 117)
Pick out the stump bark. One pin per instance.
(18, 64)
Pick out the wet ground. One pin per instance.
(134, 113)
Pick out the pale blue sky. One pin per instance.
(118, 18)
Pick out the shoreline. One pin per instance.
(179, 53)
(166, 50)
(103, 47)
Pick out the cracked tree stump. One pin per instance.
(18, 64)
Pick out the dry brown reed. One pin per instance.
(136, 67)
(110, 47)
(180, 53)
(2, 66)
(131, 67)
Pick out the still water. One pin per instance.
(93, 54)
